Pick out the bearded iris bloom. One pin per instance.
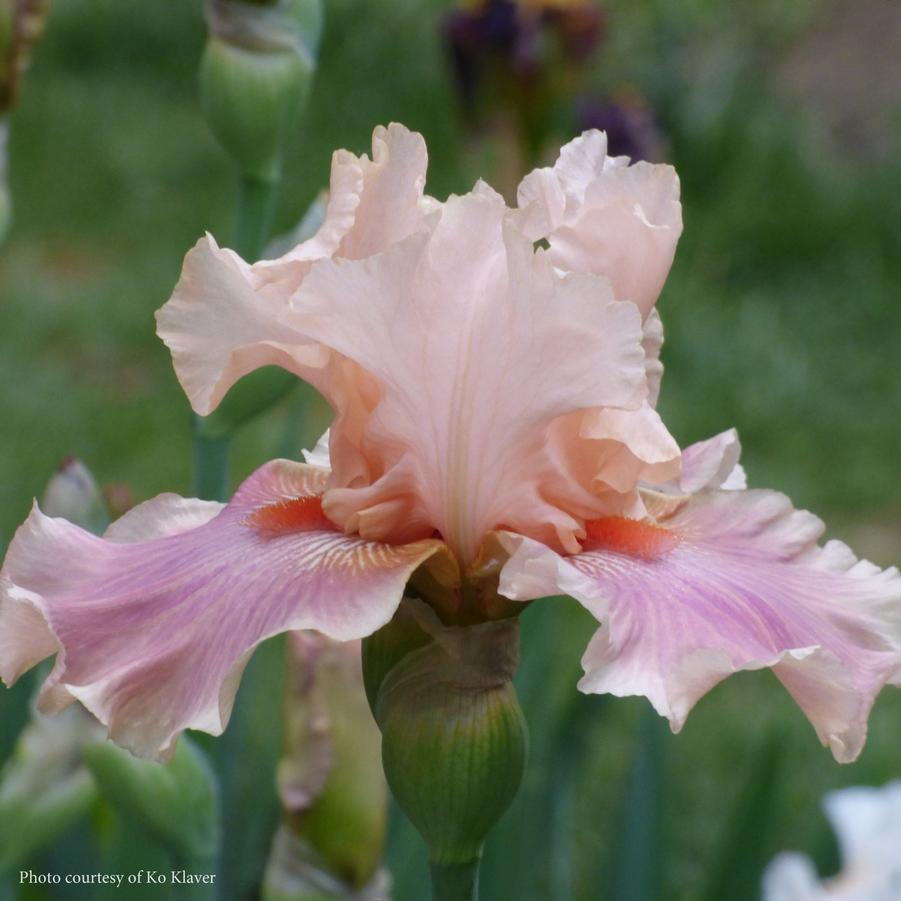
(493, 375)
(867, 823)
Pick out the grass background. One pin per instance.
(782, 318)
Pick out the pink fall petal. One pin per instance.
(477, 345)
(601, 215)
(226, 317)
(727, 580)
(153, 624)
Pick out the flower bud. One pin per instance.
(73, 494)
(256, 74)
(330, 779)
(454, 740)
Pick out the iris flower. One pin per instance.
(867, 822)
(493, 374)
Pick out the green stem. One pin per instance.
(455, 881)
(256, 201)
(210, 475)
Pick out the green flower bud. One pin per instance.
(454, 740)
(177, 802)
(256, 75)
(385, 649)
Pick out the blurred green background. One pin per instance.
(782, 316)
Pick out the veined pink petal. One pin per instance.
(227, 318)
(152, 627)
(166, 514)
(601, 215)
(477, 346)
(731, 580)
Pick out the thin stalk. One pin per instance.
(455, 881)
(211, 464)
(256, 200)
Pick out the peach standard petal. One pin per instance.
(477, 346)
(226, 317)
(601, 215)
(473, 384)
